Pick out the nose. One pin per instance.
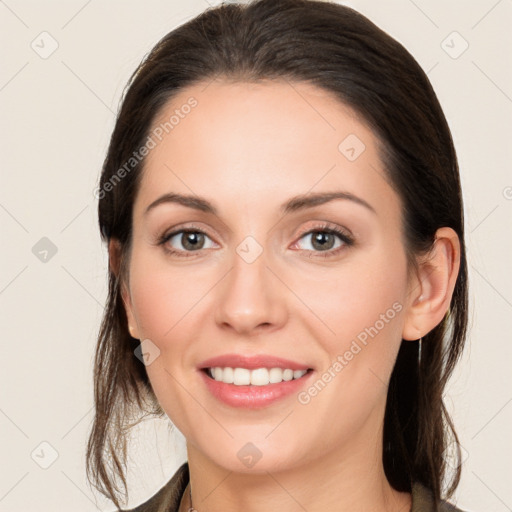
(251, 299)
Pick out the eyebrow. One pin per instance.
(296, 203)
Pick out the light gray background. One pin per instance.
(57, 115)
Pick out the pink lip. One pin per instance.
(251, 362)
(253, 397)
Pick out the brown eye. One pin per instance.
(324, 240)
(192, 240)
(185, 241)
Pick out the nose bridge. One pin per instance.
(250, 294)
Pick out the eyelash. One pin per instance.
(347, 240)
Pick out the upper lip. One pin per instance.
(251, 362)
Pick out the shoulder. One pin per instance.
(423, 501)
(168, 497)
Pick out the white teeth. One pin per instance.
(241, 376)
(227, 376)
(257, 377)
(217, 373)
(275, 375)
(287, 374)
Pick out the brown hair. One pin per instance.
(337, 49)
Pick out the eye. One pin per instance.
(190, 240)
(323, 240)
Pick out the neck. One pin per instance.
(338, 481)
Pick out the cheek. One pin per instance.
(358, 317)
(166, 305)
(155, 303)
(172, 305)
(357, 314)
(164, 297)
(347, 300)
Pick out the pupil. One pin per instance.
(321, 239)
(192, 240)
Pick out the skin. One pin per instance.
(247, 148)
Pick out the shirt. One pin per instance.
(168, 498)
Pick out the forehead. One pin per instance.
(248, 142)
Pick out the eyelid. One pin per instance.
(342, 233)
(186, 226)
(344, 236)
(304, 231)
(327, 226)
(167, 235)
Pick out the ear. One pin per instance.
(431, 292)
(114, 254)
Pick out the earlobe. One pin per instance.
(114, 255)
(133, 332)
(127, 302)
(132, 322)
(431, 297)
(114, 250)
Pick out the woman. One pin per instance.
(283, 211)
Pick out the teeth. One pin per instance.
(257, 377)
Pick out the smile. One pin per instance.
(242, 393)
(256, 377)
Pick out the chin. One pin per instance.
(253, 458)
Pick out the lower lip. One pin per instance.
(253, 397)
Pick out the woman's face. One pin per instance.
(257, 278)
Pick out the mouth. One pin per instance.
(256, 388)
(253, 377)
